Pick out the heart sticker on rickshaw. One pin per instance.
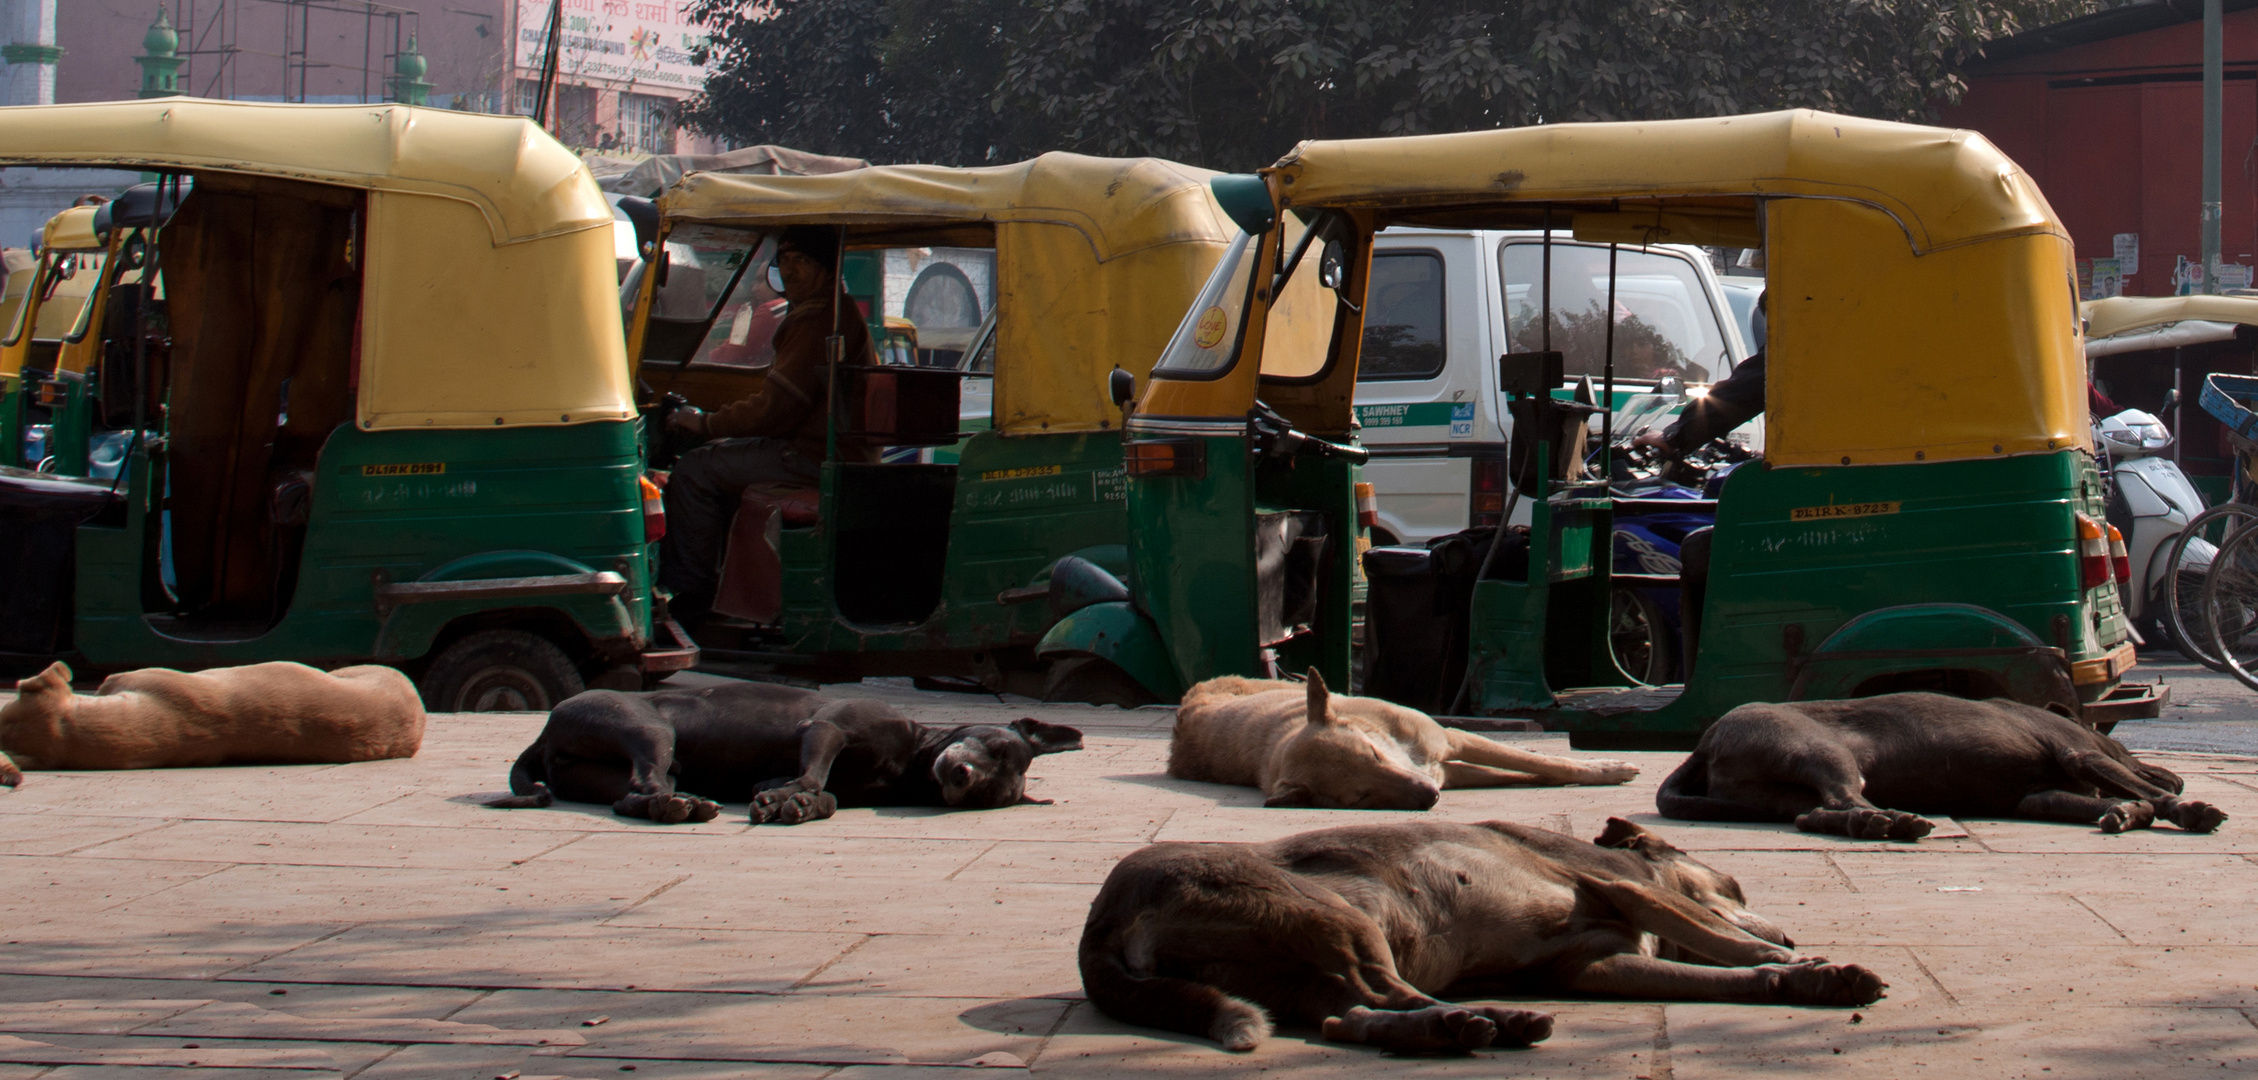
(1208, 332)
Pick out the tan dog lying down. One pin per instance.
(1305, 746)
(158, 718)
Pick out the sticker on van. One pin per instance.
(1462, 420)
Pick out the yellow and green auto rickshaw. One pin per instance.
(359, 376)
(47, 330)
(1053, 273)
(1927, 515)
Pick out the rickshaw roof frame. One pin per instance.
(2115, 315)
(73, 230)
(524, 183)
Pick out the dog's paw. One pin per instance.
(1813, 981)
(1608, 771)
(2198, 817)
(1860, 823)
(1414, 1031)
(1516, 1027)
(677, 808)
(2126, 816)
(792, 806)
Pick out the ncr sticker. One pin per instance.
(1462, 420)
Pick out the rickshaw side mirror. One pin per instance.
(1122, 386)
(2171, 399)
(643, 214)
(1332, 266)
(1246, 200)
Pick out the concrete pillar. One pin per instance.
(28, 51)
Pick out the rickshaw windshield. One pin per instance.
(1664, 322)
(715, 305)
(1207, 341)
(1299, 336)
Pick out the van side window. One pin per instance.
(1403, 322)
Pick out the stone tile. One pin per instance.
(278, 793)
(303, 1000)
(486, 1062)
(1912, 869)
(1591, 1039)
(782, 852)
(133, 946)
(2169, 918)
(1045, 862)
(298, 843)
(415, 895)
(41, 886)
(1985, 918)
(814, 1028)
(527, 951)
(875, 906)
(2072, 1043)
(978, 965)
(2035, 975)
(461, 806)
(52, 833)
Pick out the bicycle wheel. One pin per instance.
(2230, 606)
(2188, 629)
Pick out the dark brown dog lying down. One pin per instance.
(158, 718)
(1868, 767)
(1361, 931)
(1306, 746)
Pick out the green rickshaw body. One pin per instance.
(431, 458)
(1928, 515)
(939, 559)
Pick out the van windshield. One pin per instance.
(1665, 324)
(1208, 339)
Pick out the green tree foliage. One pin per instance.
(1235, 83)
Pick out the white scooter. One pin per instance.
(2150, 491)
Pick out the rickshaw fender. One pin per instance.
(416, 614)
(1954, 648)
(408, 633)
(1116, 632)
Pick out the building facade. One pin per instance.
(2106, 113)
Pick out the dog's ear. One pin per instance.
(1630, 836)
(1047, 738)
(56, 677)
(1320, 699)
(1287, 794)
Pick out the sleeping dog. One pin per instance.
(1360, 932)
(1867, 768)
(1306, 746)
(796, 755)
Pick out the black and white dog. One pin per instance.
(796, 755)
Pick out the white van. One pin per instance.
(1445, 304)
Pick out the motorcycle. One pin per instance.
(1645, 623)
(2150, 502)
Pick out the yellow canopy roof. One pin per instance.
(1096, 258)
(516, 323)
(2123, 314)
(523, 182)
(1943, 186)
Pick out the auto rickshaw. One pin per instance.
(46, 330)
(363, 370)
(1927, 515)
(919, 565)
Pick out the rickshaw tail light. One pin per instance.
(2119, 558)
(1165, 457)
(1367, 506)
(1485, 504)
(2094, 570)
(654, 510)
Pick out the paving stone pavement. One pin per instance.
(373, 921)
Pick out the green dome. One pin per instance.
(161, 40)
(411, 64)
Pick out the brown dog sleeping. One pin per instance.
(158, 718)
(1306, 746)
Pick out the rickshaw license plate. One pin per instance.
(411, 468)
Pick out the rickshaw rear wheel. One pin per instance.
(1094, 680)
(500, 671)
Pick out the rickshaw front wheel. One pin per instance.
(500, 671)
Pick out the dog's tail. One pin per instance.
(1685, 796)
(1170, 1004)
(529, 792)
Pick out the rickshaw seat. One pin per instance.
(752, 565)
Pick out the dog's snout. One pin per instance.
(960, 775)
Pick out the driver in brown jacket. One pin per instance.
(776, 436)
